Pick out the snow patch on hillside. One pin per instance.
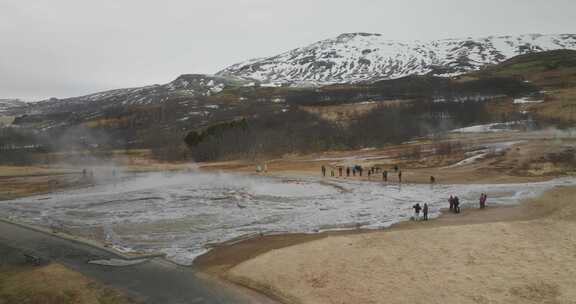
(527, 100)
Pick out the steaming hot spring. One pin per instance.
(182, 214)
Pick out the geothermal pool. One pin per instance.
(183, 213)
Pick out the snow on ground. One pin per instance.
(484, 151)
(527, 100)
(477, 155)
(182, 214)
(493, 127)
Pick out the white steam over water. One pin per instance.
(180, 214)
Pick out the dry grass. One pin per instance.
(344, 113)
(53, 284)
(560, 105)
(30, 171)
(21, 186)
(106, 122)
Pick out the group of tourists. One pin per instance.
(454, 202)
(359, 170)
(454, 206)
(417, 208)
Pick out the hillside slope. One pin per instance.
(300, 120)
(9, 104)
(549, 70)
(185, 86)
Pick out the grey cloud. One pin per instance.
(71, 47)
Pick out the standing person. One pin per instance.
(456, 204)
(340, 171)
(347, 171)
(354, 171)
(400, 176)
(432, 179)
(417, 209)
(451, 202)
(425, 211)
(483, 200)
(360, 169)
(385, 175)
(323, 170)
(369, 173)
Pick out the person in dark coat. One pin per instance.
(417, 209)
(385, 175)
(456, 204)
(483, 200)
(425, 212)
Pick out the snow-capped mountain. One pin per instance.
(347, 58)
(360, 57)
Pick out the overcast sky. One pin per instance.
(65, 48)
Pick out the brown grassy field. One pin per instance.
(52, 284)
(344, 113)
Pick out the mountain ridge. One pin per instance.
(359, 57)
(118, 119)
(184, 86)
(459, 57)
